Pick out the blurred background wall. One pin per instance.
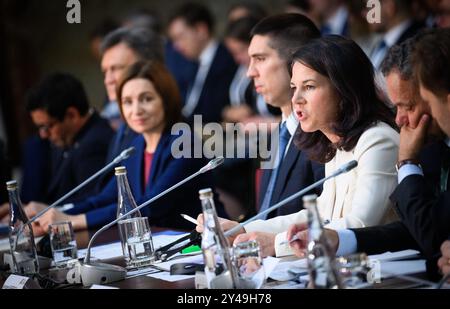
(36, 39)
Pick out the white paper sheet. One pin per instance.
(288, 270)
(395, 268)
(398, 255)
(164, 275)
(103, 287)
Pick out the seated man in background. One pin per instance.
(191, 29)
(79, 137)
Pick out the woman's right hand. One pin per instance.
(224, 223)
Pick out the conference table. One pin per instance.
(146, 282)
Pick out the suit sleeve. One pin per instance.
(390, 237)
(425, 214)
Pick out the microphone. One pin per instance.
(122, 156)
(101, 273)
(343, 169)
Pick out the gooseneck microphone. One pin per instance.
(343, 169)
(100, 273)
(122, 156)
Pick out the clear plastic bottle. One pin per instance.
(125, 203)
(21, 236)
(215, 247)
(321, 263)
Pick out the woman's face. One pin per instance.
(315, 101)
(142, 106)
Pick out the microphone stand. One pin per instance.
(122, 156)
(343, 169)
(100, 273)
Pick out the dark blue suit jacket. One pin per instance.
(215, 93)
(165, 172)
(296, 172)
(71, 166)
(36, 169)
(182, 69)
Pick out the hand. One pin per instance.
(299, 246)
(266, 241)
(413, 139)
(4, 213)
(33, 208)
(236, 113)
(444, 261)
(224, 223)
(53, 215)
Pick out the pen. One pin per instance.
(296, 237)
(288, 241)
(190, 219)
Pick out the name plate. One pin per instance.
(16, 282)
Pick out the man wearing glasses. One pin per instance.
(79, 137)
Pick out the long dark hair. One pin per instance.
(351, 74)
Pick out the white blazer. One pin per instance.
(356, 199)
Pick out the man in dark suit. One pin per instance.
(395, 26)
(79, 137)
(432, 66)
(423, 206)
(274, 39)
(191, 29)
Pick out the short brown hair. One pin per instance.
(164, 84)
(432, 60)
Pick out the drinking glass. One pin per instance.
(138, 237)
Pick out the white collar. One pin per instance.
(447, 141)
(391, 37)
(207, 56)
(337, 21)
(291, 123)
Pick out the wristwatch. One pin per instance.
(407, 161)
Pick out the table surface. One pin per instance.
(145, 282)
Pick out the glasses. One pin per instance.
(45, 128)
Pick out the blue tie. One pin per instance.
(284, 138)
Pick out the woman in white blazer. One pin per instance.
(341, 119)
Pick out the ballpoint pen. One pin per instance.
(296, 237)
(289, 240)
(190, 219)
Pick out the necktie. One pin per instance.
(284, 138)
(445, 169)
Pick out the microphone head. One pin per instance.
(213, 164)
(349, 166)
(127, 153)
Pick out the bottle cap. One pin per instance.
(205, 193)
(120, 170)
(11, 185)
